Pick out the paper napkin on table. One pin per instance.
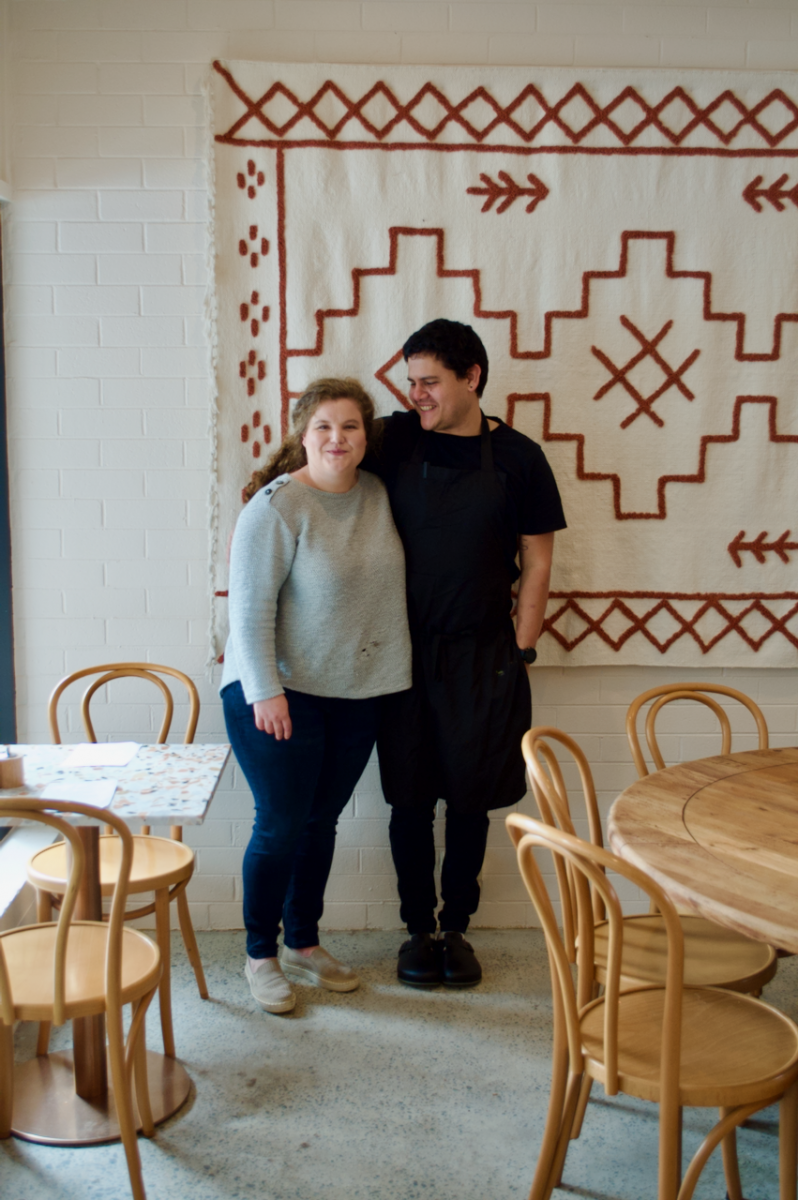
(101, 754)
(99, 793)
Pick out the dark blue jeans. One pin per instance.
(300, 787)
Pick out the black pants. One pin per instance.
(413, 849)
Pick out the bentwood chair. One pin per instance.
(702, 693)
(713, 956)
(55, 972)
(674, 1045)
(160, 865)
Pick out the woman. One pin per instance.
(318, 630)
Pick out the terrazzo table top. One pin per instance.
(162, 785)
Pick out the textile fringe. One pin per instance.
(211, 333)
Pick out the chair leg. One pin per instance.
(581, 1108)
(165, 986)
(670, 1152)
(190, 942)
(44, 913)
(731, 1119)
(121, 1077)
(44, 907)
(541, 1189)
(6, 1078)
(573, 1092)
(43, 1040)
(731, 1167)
(137, 1048)
(788, 1143)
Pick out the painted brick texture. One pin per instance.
(104, 253)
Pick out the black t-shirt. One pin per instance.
(533, 501)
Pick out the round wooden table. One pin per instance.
(720, 835)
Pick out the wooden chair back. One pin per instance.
(551, 796)
(588, 866)
(139, 670)
(46, 813)
(703, 693)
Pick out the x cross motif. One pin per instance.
(673, 377)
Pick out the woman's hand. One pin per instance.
(272, 716)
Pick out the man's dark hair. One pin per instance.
(453, 344)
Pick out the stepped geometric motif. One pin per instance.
(635, 286)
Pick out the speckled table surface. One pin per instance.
(162, 785)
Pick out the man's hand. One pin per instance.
(272, 716)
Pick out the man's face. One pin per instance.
(445, 403)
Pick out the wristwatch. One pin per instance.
(529, 655)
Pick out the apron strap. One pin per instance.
(486, 449)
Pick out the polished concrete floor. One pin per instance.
(383, 1094)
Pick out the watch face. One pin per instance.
(529, 655)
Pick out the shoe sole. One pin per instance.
(470, 983)
(412, 983)
(283, 1007)
(311, 977)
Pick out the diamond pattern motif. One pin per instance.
(706, 620)
(576, 115)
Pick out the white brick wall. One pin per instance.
(101, 137)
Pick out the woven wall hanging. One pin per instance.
(626, 245)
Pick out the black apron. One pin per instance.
(456, 734)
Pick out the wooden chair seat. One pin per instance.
(25, 950)
(734, 1050)
(157, 863)
(713, 956)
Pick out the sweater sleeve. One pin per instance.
(261, 556)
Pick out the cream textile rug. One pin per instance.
(625, 243)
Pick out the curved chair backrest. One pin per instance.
(137, 670)
(588, 865)
(703, 693)
(551, 795)
(46, 813)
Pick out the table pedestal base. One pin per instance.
(47, 1109)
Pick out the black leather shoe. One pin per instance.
(419, 962)
(459, 965)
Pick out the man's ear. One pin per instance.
(473, 375)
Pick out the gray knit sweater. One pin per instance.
(317, 594)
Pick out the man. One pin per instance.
(467, 493)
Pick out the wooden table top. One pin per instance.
(720, 835)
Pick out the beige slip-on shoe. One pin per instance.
(270, 987)
(319, 968)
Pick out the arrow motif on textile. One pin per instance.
(760, 546)
(509, 191)
(776, 194)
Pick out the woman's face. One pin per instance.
(335, 440)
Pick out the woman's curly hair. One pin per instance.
(291, 454)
